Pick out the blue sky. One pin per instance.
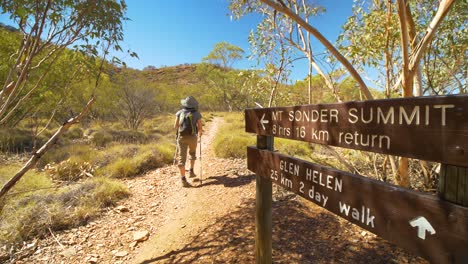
(184, 31)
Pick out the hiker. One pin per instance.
(188, 124)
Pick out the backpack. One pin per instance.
(186, 125)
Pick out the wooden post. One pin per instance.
(263, 225)
(453, 184)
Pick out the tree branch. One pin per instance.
(324, 41)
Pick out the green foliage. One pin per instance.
(75, 132)
(78, 151)
(137, 160)
(15, 140)
(293, 148)
(224, 54)
(49, 28)
(101, 138)
(372, 33)
(32, 180)
(231, 141)
(121, 168)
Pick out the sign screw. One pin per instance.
(459, 151)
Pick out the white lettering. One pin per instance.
(351, 114)
(409, 120)
(443, 107)
(389, 117)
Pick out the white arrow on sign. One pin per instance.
(263, 121)
(423, 226)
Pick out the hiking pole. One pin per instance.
(201, 167)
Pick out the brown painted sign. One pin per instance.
(425, 224)
(428, 128)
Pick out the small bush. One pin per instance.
(128, 136)
(32, 180)
(107, 192)
(130, 160)
(72, 170)
(58, 154)
(293, 148)
(101, 138)
(74, 133)
(155, 157)
(67, 207)
(121, 168)
(163, 124)
(232, 146)
(15, 140)
(231, 141)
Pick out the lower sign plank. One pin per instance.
(424, 224)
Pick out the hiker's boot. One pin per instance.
(184, 182)
(192, 174)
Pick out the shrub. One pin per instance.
(32, 180)
(293, 148)
(72, 169)
(101, 138)
(155, 157)
(127, 136)
(67, 207)
(231, 141)
(106, 192)
(15, 140)
(232, 146)
(74, 132)
(130, 160)
(58, 154)
(121, 168)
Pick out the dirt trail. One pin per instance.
(190, 211)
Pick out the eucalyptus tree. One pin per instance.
(299, 15)
(135, 100)
(48, 28)
(225, 82)
(224, 55)
(371, 38)
(399, 41)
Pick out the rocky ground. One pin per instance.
(211, 222)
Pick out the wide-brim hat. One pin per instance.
(189, 102)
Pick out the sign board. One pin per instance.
(425, 224)
(428, 128)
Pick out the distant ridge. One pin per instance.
(9, 28)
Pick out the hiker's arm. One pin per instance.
(176, 123)
(199, 127)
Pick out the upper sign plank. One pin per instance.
(428, 128)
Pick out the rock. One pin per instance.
(121, 254)
(122, 209)
(133, 244)
(71, 251)
(363, 233)
(140, 236)
(93, 260)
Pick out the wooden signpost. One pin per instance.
(430, 128)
